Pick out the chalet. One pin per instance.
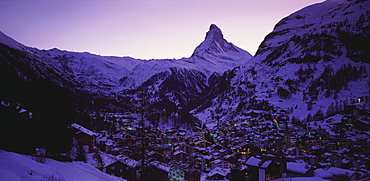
(167, 153)
(295, 152)
(204, 162)
(200, 150)
(120, 166)
(218, 174)
(156, 171)
(192, 174)
(180, 156)
(323, 174)
(202, 144)
(186, 148)
(83, 136)
(270, 169)
(220, 163)
(299, 170)
(136, 155)
(313, 159)
(263, 170)
(119, 169)
(129, 140)
(342, 174)
(157, 156)
(100, 142)
(362, 124)
(109, 145)
(231, 159)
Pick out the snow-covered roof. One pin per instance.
(109, 142)
(179, 152)
(161, 166)
(229, 156)
(341, 172)
(323, 173)
(107, 159)
(83, 129)
(253, 161)
(291, 149)
(298, 167)
(220, 171)
(110, 159)
(128, 161)
(328, 130)
(266, 164)
(218, 161)
(345, 161)
(325, 164)
(205, 141)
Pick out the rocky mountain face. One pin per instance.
(315, 59)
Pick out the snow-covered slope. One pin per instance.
(316, 57)
(113, 74)
(4, 39)
(16, 167)
(116, 83)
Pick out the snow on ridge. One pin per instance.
(114, 74)
(216, 47)
(301, 41)
(323, 13)
(6, 40)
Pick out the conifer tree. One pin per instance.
(81, 154)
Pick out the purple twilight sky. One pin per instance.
(141, 28)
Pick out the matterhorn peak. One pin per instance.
(215, 45)
(214, 33)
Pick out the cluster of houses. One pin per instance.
(247, 149)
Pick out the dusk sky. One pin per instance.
(141, 28)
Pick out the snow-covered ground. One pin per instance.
(17, 167)
(301, 179)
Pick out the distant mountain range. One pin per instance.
(315, 59)
(113, 76)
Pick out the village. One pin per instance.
(253, 148)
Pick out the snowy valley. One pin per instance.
(298, 109)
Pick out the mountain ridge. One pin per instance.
(299, 67)
(129, 72)
(214, 45)
(116, 83)
(302, 71)
(5, 39)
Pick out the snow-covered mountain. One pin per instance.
(113, 74)
(215, 49)
(315, 59)
(105, 82)
(312, 65)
